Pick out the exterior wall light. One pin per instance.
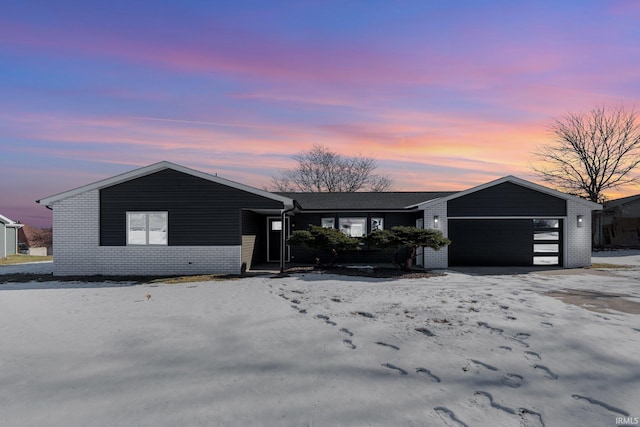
(436, 221)
(580, 220)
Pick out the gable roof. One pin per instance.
(523, 183)
(621, 201)
(157, 167)
(371, 201)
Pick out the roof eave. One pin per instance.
(518, 181)
(157, 167)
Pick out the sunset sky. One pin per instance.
(445, 94)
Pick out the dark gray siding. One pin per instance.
(201, 212)
(484, 242)
(506, 199)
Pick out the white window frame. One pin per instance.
(146, 226)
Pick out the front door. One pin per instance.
(274, 237)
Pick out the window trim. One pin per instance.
(146, 224)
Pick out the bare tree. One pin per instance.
(322, 170)
(593, 152)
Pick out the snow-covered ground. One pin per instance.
(462, 349)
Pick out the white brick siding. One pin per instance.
(578, 239)
(436, 258)
(76, 221)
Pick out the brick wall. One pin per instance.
(578, 239)
(76, 240)
(439, 258)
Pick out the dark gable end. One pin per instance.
(200, 212)
(506, 199)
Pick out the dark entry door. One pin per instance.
(274, 237)
(491, 242)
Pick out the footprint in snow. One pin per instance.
(363, 314)
(530, 418)
(493, 403)
(384, 344)
(546, 372)
(395, 368)
(601, 403)
(346, 331)
(448, 414)
(426, 332)
(522, 336)
(427, 374)
(546, 324)
(519, 341)
(349, 344)
(532, 355)
(504, 347)
(484, 365)
(512, 380)
(326, 319)
(491, 328)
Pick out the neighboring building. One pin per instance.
(8, 236)
(169, 219)
(35, 241)
(618, 224)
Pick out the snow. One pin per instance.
(462, 349)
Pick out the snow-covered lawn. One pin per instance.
(321, 350)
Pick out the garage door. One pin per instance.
(504, 242)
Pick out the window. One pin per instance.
(546, 223)
(377, 224)
(147, 228)
(546, 241)
(353, 227)
(328, 223)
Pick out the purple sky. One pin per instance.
(446, 95)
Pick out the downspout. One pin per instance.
(283, 234)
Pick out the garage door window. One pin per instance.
(546, 241)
